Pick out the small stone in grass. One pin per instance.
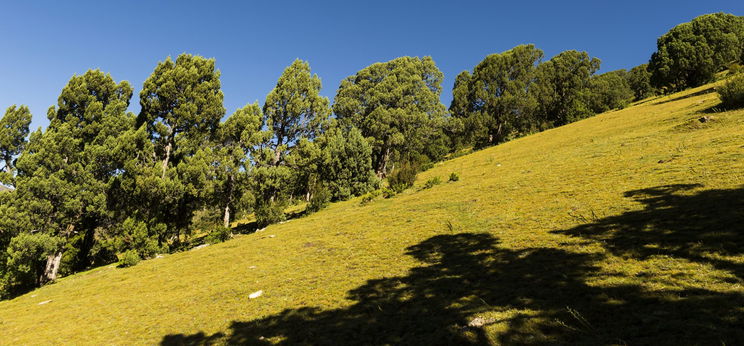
(255, 295)
(44, 302)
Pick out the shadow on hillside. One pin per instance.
(678, 224)
(467, 278)
(697, 93)
(252, 227)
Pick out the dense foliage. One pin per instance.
(691, 53)
(732, 93)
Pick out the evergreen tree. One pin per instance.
(395, 105)
(561, 83)
(295, 113)
(609, 91)
(639, 80)
(13, 132)
(63, 173)
(691, 53)
(346, 163)
(236, 139)
(181, 109)
(294, 109)
(499, 101)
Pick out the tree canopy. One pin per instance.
(395, 105)
(691, 53)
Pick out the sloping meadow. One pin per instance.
(622, 228)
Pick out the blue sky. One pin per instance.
(45, 42)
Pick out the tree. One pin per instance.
(27, 255)
(64, 171)
(560, 85)
(460, 105)
(181, 106)
(346, 163)
(691, 53)
(295, 113)
(236, 139)
(498, 102)
(609, 91)
(395, 105)
(639, 80)
(13, 132)
(294, 109)
(181, 109)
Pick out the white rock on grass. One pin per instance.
(255, 295)
(44, 302)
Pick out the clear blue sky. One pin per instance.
(44, 43)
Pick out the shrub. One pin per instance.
(219, 234)
(26, 258)
(454, 177)
(387, 193)
(735, 69)
(403, 177)
(370, 197)
(732, 93)
(431, 182)
(129, 258)
(269, 212)
(320, 197)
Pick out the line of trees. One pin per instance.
(101, 184)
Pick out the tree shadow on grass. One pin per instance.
(706, 227)
(469, 290)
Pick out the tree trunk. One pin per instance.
(230, 190)
(167, 157)
(226, 218)
(51, 269)
(277, 151)
(382, 163)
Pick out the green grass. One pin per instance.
(623, 228)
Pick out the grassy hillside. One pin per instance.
(622, 228)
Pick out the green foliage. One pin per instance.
(135, 235)
(219, 234)
(735, 68)
(64, 172)
(454, 177)
(396, 106)
(346, 163)
(294, 109)
(13, 132)
(388, 192)
(235, 144)
(27, 255)
(403, 177)
(691, 53)
(181, 108)
(609, 91)
(320, 197)
(561, 85)
(639, 80)
(732, 93)
(371, 196)
(269, 212)
(432, 182)
(499, 102)
(129, 258)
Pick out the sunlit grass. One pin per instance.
(569, 235)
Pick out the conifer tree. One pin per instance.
(395, 105)
(13, 132)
